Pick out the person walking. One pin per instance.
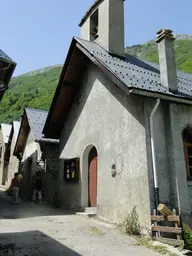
(15, 186)
(37, 188)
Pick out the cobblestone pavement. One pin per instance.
(41, 230)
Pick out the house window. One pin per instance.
(94, 26)
(187, 140)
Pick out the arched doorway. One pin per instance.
(92, 178)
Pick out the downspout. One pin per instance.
(155, 176)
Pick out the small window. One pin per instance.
(187, 140)
(94, 26)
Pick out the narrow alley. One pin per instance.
(33, 229)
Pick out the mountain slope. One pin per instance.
(36, 89)
(183, 52)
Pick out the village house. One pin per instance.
(13, 161)
(5, 130)
(7, 67)
(27, 148)
(124, 125)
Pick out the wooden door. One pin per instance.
(93, 182)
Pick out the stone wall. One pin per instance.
(105, 117)
(52, 172)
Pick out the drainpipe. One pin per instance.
(156, 185)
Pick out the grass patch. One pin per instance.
(148, 243)
(94, 230)
(131, 225)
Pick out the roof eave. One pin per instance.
(15, 153)
(171, 98)
(73, 43)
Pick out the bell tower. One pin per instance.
(104, 24)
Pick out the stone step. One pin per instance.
(86, 214)
(92, 210)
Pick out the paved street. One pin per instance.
(41, 230)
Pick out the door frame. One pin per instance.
(84, 175)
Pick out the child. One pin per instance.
(15, 185)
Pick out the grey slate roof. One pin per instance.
(5, 57)
(136, 73)
(6, 129)
(36, 119)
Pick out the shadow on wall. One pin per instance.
(33, 243)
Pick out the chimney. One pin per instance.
(168, 72)
(104, 24)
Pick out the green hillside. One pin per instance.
(183, 52)
(36, 89)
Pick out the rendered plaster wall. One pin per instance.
(31, 154)
(179, 117)
(13, 163)
(105, 117)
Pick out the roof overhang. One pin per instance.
(22, 135)
(7, 67)
(69, 83)
(8, 147)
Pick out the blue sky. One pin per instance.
(38, 33)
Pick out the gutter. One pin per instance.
(155, 176)
(171, 98)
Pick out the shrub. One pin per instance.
(131, 224)
(187, 233)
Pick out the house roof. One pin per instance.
(32, 120)
(36, 119)
(7, 66)
(5, 57)
(131, 74)
(14, 130)
(6, 129)
(136, 73)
